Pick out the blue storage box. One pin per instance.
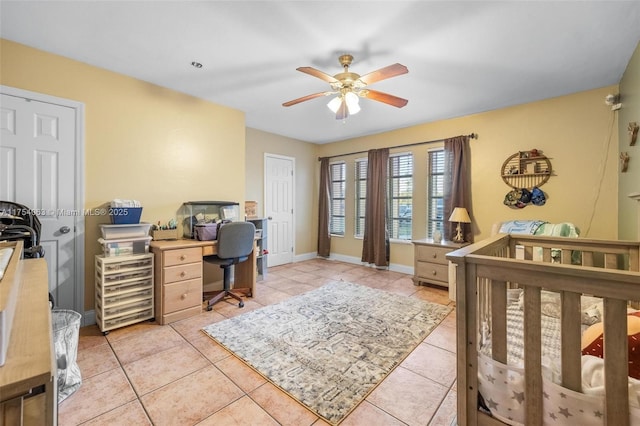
(125, 215)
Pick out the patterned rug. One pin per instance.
(330, 347)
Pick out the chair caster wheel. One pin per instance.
(241, 305)
(209, 307)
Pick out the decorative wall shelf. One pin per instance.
(526, 169)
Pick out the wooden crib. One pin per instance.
(571, 267)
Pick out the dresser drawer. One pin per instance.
(182, 256)
(432, 272)
(432, 254)
(172, 274)
(182, 295)
(180, 315)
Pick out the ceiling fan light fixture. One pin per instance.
(334, 104)
(349, 100)
(353, 102)
(350, 87)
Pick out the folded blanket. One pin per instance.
(564, 229)
(521, 226)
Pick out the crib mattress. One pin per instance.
(503, 390)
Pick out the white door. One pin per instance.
(38, 144)
(279, 202)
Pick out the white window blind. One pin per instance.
(361, 195)
(401, 195)
(336, 210)
(435, 192)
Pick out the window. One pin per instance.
(401, 195)
(435, 192)
(361, 195)
(337, 171)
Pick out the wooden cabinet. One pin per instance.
(124, 290)
(178, 283)
(27, 379)
(430, 263)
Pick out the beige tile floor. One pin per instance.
(175, 375)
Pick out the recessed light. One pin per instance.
(196, 64)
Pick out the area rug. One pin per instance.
(330, 347)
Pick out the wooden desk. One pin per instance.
(27, 379)
(178, 277)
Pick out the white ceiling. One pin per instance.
(463, 57)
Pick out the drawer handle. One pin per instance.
(434, 255)
(183, 257)
(182, 274)
(434, 273)
(184, 296)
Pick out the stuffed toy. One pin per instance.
(592, 342)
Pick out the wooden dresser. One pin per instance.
(27, 379)
(430, 263)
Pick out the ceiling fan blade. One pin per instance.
(384, 73)
(306, 98)
(386, 98)
(317, 73)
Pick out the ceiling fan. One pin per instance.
(349, 86)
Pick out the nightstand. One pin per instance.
(430, 264)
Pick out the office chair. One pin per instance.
(235, 243)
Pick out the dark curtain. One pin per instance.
(375, 245)
(324, 236)
(457, 188)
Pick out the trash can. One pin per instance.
(66, 333)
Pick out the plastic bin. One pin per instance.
(129, 230)
(66, 333)
(125, 215)
(125, 246)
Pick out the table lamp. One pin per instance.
(459, 215)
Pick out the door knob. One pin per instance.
(65, 230)
(269, 218)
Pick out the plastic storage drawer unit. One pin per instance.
(124, 290)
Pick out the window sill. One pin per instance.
(398, 241)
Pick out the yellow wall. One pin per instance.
(163, 148)
(577, 132)
(629, 181)
(260, 143)
(141, 141)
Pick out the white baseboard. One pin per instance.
(89, 318)
(357, 261)
(305, 256)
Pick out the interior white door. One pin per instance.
(279, 201)
(37, 168)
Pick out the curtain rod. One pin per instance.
(471, 136)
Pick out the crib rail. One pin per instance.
(570, 267)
